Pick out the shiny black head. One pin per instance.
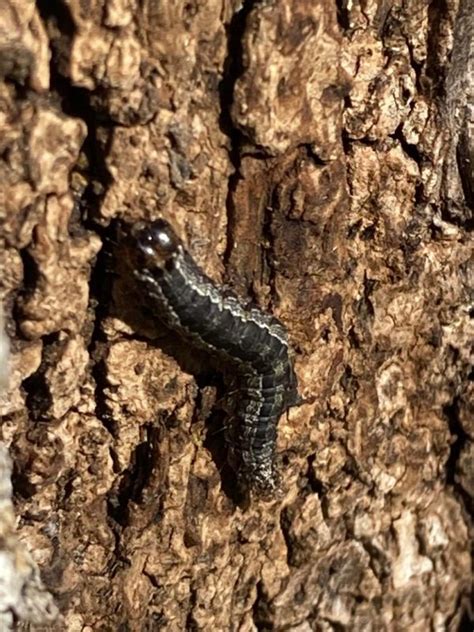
(155, 243)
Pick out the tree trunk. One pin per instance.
(318, 158)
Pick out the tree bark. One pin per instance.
(317, 157)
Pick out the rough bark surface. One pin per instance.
(317, 156)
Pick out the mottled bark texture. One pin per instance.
(316, 156)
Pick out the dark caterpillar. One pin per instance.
(250, 345)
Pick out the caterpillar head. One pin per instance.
(154, 244)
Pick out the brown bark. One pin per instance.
(317, 157)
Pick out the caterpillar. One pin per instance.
(249, 345)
